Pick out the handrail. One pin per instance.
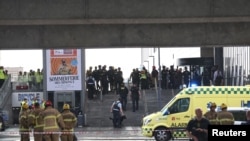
(5, 91)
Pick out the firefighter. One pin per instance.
(212, 114)
(36, 122)
(53, 122)
(224, 117)
(70, 122)
(23, 120)
(25, 100)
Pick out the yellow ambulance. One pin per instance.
(172, 120)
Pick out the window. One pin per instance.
(181, 105)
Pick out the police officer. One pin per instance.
(70, 122)
(135, 96)
(36, 121)
(23, 120)
(123, 91)
(53, 122)
(211, 115)
(91, 87)
(116, 109)
(224, 117)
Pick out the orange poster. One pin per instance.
(63, 66)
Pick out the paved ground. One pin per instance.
(127, 133)
(98, 125)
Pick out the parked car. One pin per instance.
(239, 114)
(2, 122)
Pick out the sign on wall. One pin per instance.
(17, 97)
(63, 69)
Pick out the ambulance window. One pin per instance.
(180, 105)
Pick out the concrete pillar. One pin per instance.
(218, 57)
(207, 52)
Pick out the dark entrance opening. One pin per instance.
(200, 69)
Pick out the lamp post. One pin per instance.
(153, 59)
(159, 79)
(144, 97)
(148, 63)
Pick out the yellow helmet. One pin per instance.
(213, 105)
(223, 105)
(25, 105)
(66, 107)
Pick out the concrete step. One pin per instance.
(98, 112)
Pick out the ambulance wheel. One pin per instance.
(161, 134)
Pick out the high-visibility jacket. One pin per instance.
(38, 77)
(143, 75)
(30, 77)
(25, 78)
(2, 76)
(53, 120)
(43, 105)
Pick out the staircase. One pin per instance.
(98, 111)
(5, 101)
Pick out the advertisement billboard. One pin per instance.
(63, 69)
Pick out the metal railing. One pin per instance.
(5, 91)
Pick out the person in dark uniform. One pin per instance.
(116, 109)
(164, 75)
(197, 128)
(186, 77)
(91, 87)
(206, 77)
(135, 96)
(123, 92)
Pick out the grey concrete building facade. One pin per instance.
(42, 24)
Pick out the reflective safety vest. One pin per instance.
(38, 77)
(25, 78)
(2, 76)
(143, 75)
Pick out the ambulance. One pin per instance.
(171, 121)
